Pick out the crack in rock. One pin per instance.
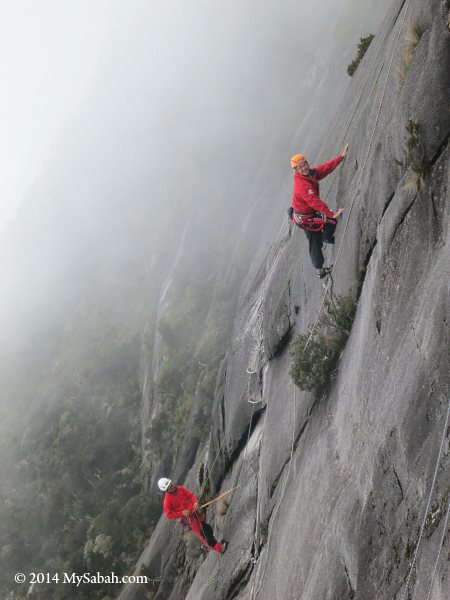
(352, 593)
(296, 441)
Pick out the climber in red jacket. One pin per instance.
(180, 503)
(309, 212)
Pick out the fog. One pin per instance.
(168, 114)
(145, 172)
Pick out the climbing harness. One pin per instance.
(310, 222)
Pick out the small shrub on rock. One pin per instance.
(316, 352)
(363, 45)
(412, 37)
(415, 161)
(222, 507)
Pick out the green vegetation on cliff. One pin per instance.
(415, 159)
(363, 46)
(194, 333)
(315, 353)
(72, 497)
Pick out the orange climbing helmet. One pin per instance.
(297, 158)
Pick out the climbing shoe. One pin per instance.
(321, 273)
(224, 545)
(331, 240)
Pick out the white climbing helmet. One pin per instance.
(164, 483)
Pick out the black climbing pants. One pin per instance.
(316, 240)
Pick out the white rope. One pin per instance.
(281, 497)
(254, 559)
(441, 543)
(328, 284)
(363, 167)
(419, 541)
(373, 131)
(324, 294)
(251, 401)
(252, 370)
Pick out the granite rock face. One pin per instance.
(347, 496)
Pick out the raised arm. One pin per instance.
(328, 167)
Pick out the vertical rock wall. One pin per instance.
(347, 496)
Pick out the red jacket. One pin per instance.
(306, 189)
(175, 503)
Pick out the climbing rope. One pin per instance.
(330, 186)
(250, 370)
(441, 543)
(254, 559)
(281, 497)
(419, 541)
(408, 2)
(218, 497)
(336, 261)
(373, 131)
(333, 178)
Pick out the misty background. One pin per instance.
(145, 162)
(180, 111)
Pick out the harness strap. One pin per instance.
(310, 222)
